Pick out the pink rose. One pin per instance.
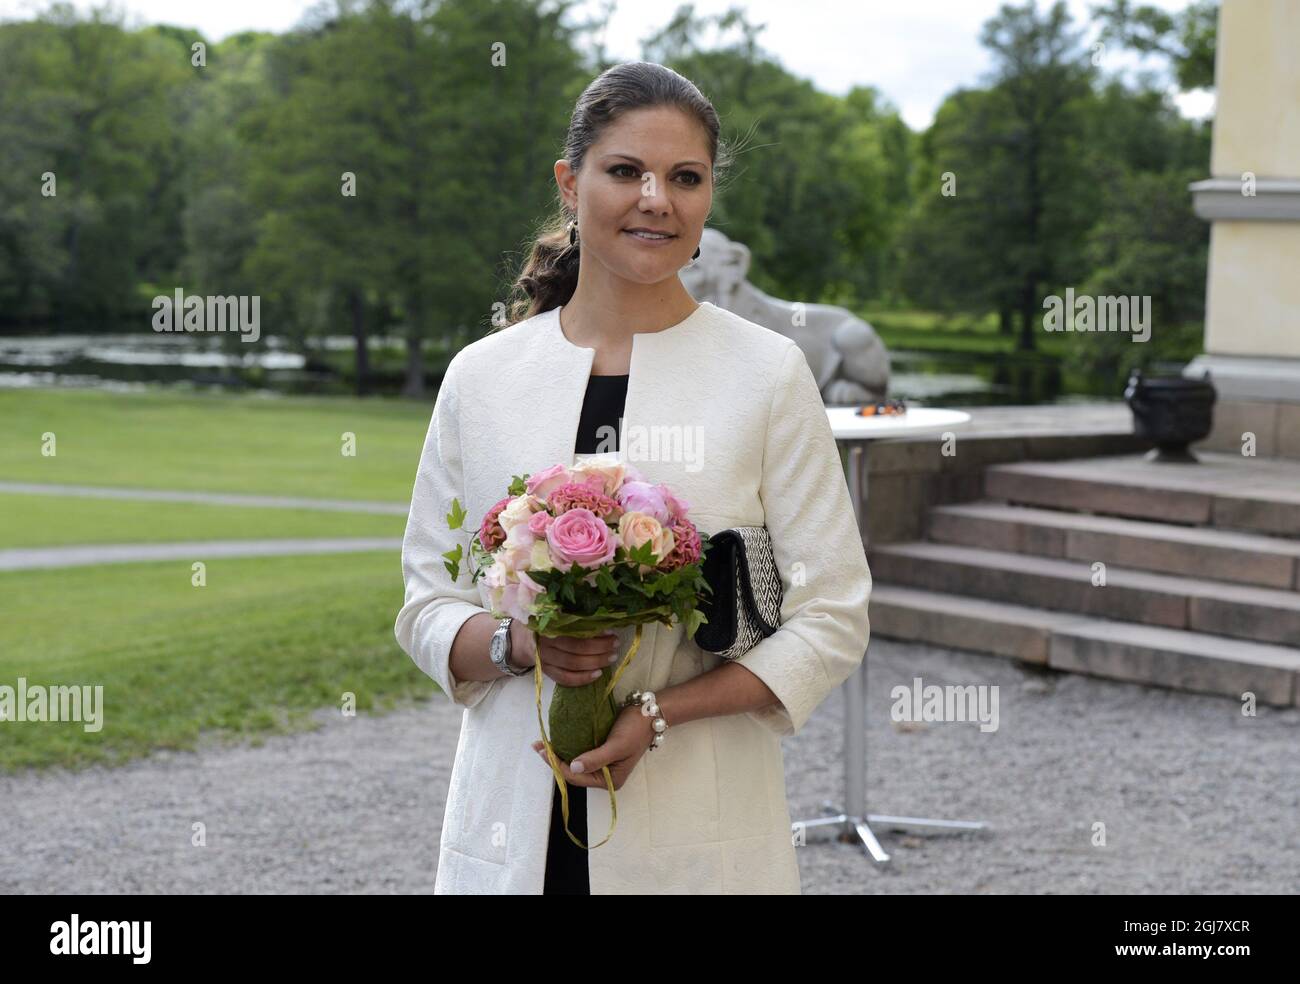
(537, 525)
(642, 497)
(543, 482)
(580, 537)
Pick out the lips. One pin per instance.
(649, 236)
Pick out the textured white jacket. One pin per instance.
(728, 414)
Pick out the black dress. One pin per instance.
(566, 862)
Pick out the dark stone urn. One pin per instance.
(1171, 411)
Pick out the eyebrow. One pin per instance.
(640, 163)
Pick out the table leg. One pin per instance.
(856, 825)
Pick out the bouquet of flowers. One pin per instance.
(578, 550)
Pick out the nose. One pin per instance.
(658, 201)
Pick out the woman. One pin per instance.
(727, 413)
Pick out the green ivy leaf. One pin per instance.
(452, 563)
(457, 515)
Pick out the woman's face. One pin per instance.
(650, 170)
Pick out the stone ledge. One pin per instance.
(1220, 199)
(1127, 652)
(908, 475)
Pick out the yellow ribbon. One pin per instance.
(553, 759)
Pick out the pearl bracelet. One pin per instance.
(649, 708)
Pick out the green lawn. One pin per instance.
(933, 331)
(58, 520)
(264, 643)
(268, 639)
(214, 442)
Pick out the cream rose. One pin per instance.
(610, 472)
(541, 557)
(520, 510)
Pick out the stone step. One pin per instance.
(1173, 658)
(1224, 490)
(1222, 555)
(1240, 611)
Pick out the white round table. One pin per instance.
(846, 425)
(856, 433)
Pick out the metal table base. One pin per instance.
(856, 826)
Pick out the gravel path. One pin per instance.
(80, 555)
(1196, 798)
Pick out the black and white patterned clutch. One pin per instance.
(745, 605)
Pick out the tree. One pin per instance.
(450, 149)
(1013, 151)
(93, 105)
(820, 184)
(1187, 38)
(1041, 71)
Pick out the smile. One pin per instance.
(649, 238)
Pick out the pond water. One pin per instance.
(116, 361)
(986, 379)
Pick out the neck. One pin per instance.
(596, 317)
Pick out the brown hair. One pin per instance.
(550, 273)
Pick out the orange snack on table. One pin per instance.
(884, 408)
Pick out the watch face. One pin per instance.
(496, 647)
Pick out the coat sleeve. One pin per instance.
(825, 579)
(435, 606)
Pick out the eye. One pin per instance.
(694, 176)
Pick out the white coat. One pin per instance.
(706, 813)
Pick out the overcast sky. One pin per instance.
(914, 51)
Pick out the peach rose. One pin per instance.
(636, 528)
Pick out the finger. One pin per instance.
(595, 646)
(582, 662)
(578, 664)
(571, 678)
(571, 777)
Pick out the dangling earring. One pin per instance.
(696, 254)
(573, 232)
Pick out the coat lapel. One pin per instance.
(522, 415)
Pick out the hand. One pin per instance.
(568, 660)
(628, 740)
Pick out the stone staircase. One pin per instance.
(1201, 573)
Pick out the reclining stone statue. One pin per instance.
(845, 354)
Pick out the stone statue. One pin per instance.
(845, 354)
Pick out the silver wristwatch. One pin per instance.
(500, 649)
